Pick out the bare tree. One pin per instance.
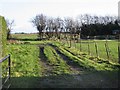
(70, 27)
(10, 24)
(39, 21)
(54, 27)
(58, 27)
(51, 27)
(49, 23)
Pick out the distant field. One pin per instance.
(24, 36)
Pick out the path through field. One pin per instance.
(77, 78)
(43, 62)
(61, 68)
(74, 67)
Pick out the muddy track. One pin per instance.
(73, 66)
(47, 69)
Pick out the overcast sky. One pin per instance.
(23, 10)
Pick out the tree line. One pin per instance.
(86, 25)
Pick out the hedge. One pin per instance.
(3, 36)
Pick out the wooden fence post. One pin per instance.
(75, 40)
(67, 38)
(119, 49)
(96, 48)
(106, 47)
(88, 45)
(80, 42)
(70, 40)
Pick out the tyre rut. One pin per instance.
(73, 66)
(47, 69)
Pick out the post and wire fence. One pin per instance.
(105, 47)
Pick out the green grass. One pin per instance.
(3, 37)
(54, 60)
(24, 60)
(27, 68)
(112, 44)
(113, 48)
(84, 60)
(24, 36)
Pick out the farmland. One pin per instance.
(50, 63)
(112, 45)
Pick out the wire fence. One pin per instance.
(106, 48)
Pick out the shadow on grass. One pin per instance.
(102, 79)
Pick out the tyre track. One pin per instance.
(73, 66)
(46, 68)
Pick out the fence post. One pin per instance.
(88, 45)
(106, 46)
(70, 40)
(67, 42)
(119, 49)
(66, 39)
(80, 42)
(96, 46)
(75, 40)
(9, 65)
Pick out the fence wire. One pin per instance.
(102, 48)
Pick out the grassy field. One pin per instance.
(112, 48)
(24, 60)
(46, 64)
(24, 36)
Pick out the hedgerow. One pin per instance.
(3, 36)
